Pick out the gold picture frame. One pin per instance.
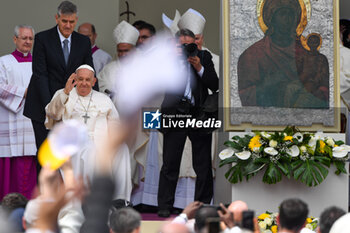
(233, 111)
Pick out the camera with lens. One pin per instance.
(190, 50)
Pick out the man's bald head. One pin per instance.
(237, 208)
(175, 228)
(88, 29)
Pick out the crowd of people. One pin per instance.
(67, 207)
(69, 77)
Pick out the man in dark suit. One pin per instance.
(56, 55)
(201, 76)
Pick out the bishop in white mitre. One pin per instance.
(17, 143)
(125, 36)
(95, 110)
(194, 21)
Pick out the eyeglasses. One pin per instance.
(25, 38)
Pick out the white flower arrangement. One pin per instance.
(302, 156)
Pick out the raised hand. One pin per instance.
(195, 62)
(226, 216)
(70, 84)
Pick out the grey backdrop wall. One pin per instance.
(105, 15)
(344, 9)
(151, 11)
(40, 14)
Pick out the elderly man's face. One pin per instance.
(86, 30)
(85, 81)
(24, 40)
(124, 49)
(66, 23)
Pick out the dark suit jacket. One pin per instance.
(50, 73)
(199, 86)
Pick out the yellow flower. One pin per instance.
(309, 220)
(263, 216)
(274, 229)
(335, 145)
(254, 142)
(288, 138)
(322, 145)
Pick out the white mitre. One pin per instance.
(125, 33)
(171, 24)
(192, 20)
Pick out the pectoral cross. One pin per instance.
(86, 117)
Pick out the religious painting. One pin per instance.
(280, 64)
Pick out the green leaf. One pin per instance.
(339, 143)
(322, 169)
(310, 172)
(262, 160)
(272, 174)
(236, 138)
(232, 159)
(284, 168)
(234, 145)
(340, 165)
(324, 160)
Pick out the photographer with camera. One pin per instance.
(201, 76)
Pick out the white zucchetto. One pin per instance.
(192, 20)
(125, 33)
(85, 66)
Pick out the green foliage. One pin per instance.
(311, 172)
(309, 167)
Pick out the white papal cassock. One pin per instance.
(17, 142)
(101, 110)
(100, 58)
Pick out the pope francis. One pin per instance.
(94, 110)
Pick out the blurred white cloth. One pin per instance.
(306, 230)
(106, 79)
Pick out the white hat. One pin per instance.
(171, 24)
(192, 20)
(125, 33)
(85, 67)
(342, 225)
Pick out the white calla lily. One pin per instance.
(244, 155)
(265, 135)
(293, 151)
(298, 136)
(226, 153)
(270, 151)
(346, 147)
(312, 141)
(340, 151)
